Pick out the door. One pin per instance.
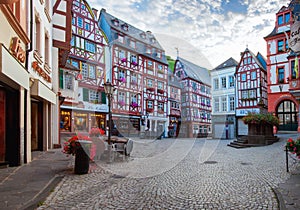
(2, 126)
(36, 126)
(287, 114)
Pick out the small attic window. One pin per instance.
(115, 22)
(143, 35)
(125, 27)
(153, 40)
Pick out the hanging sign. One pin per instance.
(294, 40)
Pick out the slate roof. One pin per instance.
(143, 38)
(195, 72)
(226, 64)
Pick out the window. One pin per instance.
(217, 104)
(253, 75)
(148, 51)
(231, 103)
(150, 64)
(202, 88)
(216, 84)
(37, 34)
(79, 22)
(84, 70)
(115, 22)
(280, 19)
(244, 94)
(223, 80)
(286, 45)
(160, 85)
(75, 63)
(121, 96)
(160, 67)
(224, 104)
(132, 44)
(94, 96)
(244, 77)
(120, 38)
(194, 86)
(47, 49)
(133, 99)
(92, 72)
(280, 75)
(149, 83)
(87, 26)
(150, 104)
(294, 71)
(73, 41)
(73, 20)
(160, 106)
(280, 45)
(79, 42)
(133, 59)
(195, 98)
(121, 74)
(89, 46)
(158, 54)
(68, 81)
(122, 54)
(231, 81)
(287, 17)
(252, 94)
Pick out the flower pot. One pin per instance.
(82, 157)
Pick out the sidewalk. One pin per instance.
(26, 186)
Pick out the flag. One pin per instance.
(296, 67)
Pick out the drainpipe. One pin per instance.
(27, 92)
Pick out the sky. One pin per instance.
(205, 32)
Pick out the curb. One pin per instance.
(43, 194)
(279, 198)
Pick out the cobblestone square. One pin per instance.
(178, 174)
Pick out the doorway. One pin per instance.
(36, 126)
(287, 114)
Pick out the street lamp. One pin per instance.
(109, 89)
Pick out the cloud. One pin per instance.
(215, 30)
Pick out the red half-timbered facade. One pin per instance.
(251, 87)
(139, 71)
(82, 78)
(283, 72)
(195, 99)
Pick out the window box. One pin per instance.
(151, 89)
(160, 91)
(150, 110)
(123, 60)
(134, 63)
(134, 104)
(133, 82)
(122, 79)
(121, 103)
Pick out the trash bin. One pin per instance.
(82, 157)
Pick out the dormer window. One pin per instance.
(125, 27)
(132, 44)
(158, 54)
(115, 22)
(283, 18)
(148, 51)
(153, 40)
(143, 35)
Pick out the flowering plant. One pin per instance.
(134, 63)
(134, 104)
(122, 79)
(96, 132)
(256, 118)
(121, 103)
(293, 146)
(72, 144)
(123, 60)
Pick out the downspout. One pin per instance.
(27, 92)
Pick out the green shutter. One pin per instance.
(103, 98)
(61, 79)
(85, 95)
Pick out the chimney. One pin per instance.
(95, 11)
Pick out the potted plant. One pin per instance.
(79, 146)
(123, 60)
(96, 132)
(134, 104)
(293, 146)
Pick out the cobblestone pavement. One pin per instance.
(178, 174)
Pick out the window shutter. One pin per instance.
(103, 98)
(85, 93)
(61, 79)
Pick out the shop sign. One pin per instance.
(17, 50)
(244, 112)
(40, 71)
(294, 40)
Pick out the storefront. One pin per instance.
(128, 126)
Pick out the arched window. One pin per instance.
(287, 114)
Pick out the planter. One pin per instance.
(82, 157)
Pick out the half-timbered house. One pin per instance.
(139, 71)
(82, 78)
(195, 99)
(223, 93)
(283, 68)
(251, 87)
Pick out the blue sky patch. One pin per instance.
(234, 6)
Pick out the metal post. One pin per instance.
(287, 159)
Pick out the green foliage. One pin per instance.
(261, 118)
(171, 62)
